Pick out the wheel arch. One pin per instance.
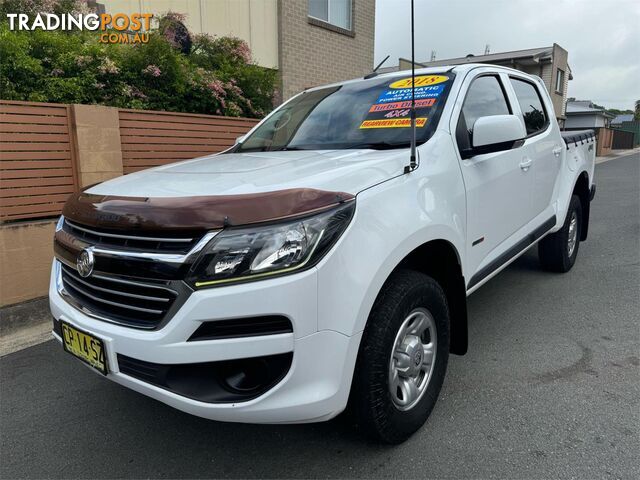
(441, 261)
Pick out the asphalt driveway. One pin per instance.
(550, 388)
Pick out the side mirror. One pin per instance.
(496, 133)
(240, 139)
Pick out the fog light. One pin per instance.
(212, 382)
(247, 376)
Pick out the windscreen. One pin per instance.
(373, 113)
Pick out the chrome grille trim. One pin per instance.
(137, 280)
(176, 258)
(111, 299)
(116, 292)
(127, 237)
(131, 282)
(109, 302)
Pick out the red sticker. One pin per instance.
(420, 103)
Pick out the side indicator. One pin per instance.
(476, 242)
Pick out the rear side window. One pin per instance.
(535, 117)
(484, 98)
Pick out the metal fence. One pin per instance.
(633, 127)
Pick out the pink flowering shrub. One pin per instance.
(213, 76)
(152, 70)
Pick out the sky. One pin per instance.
(601, 36)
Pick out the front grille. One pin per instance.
(133, 303)
(139, 242)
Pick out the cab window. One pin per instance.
(535, 117)
(484, 98)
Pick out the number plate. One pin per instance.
(84, 346)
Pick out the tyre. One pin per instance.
(402, 359)
(558, 251)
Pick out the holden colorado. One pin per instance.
(312, 268)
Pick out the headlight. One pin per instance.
(60, 223)
(252, 253)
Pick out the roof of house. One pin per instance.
(536, 54)
(585, 107)
(625, 117)
(528, 56)
(581, 103)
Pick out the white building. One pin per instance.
(583, 114)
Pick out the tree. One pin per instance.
(637, 112)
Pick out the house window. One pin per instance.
(334, 12)
(559, 81)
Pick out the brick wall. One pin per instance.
(311, 55)
(546, 72)
(560, 61)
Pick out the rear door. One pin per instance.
(498, 185)
(541, 145)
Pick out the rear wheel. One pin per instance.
(558, 251)
(403, 358)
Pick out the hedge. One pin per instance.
(173, 71)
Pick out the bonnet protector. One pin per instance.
(198, 213)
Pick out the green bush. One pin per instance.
(211, 75)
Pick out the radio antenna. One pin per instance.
(374, 72)
(412, 160)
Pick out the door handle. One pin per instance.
(557, 151)
(525, 163)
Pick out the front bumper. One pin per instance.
(315, 387)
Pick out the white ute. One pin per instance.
(311, 267)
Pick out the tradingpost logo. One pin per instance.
(116, 28)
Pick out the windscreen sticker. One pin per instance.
(393, 123)
(404, 94)
(421, 81)
(397, 113)
(421, 103)
(392, 109)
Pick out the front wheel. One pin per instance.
(558, 251)
(403, 358)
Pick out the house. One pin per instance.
(310, 42)
(549, 63)
(583, 114)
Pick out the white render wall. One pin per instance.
(588, 120)
(255, 21)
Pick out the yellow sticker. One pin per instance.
(393, 123)
(421, 81)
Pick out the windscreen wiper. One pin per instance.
(379, 145)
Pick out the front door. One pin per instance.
(499, 185)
